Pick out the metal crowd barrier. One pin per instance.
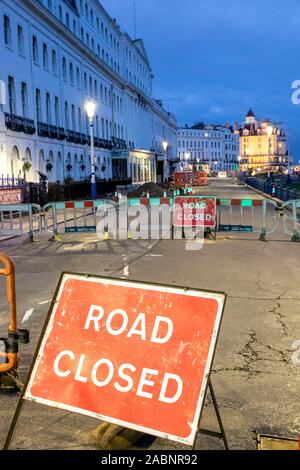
(294, 219)
(247, 215)
(243, 214)
(70, 217)
(13, 223)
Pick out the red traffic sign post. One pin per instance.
(134, 354)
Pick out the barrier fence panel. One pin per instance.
(71, 217)
(291, 221)
(247, 215)
(18, 219)
(155, 218)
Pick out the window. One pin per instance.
(67, 115)
(11, 95)
(64, 67)
(74, 27)
(60, 14)
(56, 109)
(54, 61)
(24, 99)
(91, 86)
(48, 109)
(96, 88)
(20, 39)
(35, 51)
(85, 82)
(79, 120)
(73, 118)
(45, 56)
(38, 105)
(50, 5)
(78, 77)
(71, 74)
(7, 31)
(67, 20)
(82, 34)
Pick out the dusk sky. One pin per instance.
(214, 60)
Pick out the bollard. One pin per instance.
(15, 336)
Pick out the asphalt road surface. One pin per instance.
(255, 379)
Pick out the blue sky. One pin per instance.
(212, 60)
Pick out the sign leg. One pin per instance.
(218, 435)
(216, 407)
(14, 424)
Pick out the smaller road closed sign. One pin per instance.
(195, 211)
(131, 353)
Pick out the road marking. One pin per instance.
(154, 256)
(126, 270)
(45, 302)
(27, 315)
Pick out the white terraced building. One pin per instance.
(55, 56)
(217, 146)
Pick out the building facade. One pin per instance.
(255, 142)
(56, 55)
(217, 146)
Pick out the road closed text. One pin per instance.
(124, 377)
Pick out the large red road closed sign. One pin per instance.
(195, 211)
(129, 353)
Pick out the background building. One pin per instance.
(215, 145)
(56, 55)
(254, 145)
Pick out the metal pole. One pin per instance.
(93, 171)
(269, 155)
(165, 166)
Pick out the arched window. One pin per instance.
(15, 161)
(59, 167)
(27, 154)
(42, 162)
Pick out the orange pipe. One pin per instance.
(9, 271)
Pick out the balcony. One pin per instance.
(29, 127)
(19, 124)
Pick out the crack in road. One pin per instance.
(279, 316)
(251, 355)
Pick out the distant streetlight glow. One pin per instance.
(269, 130)
(165, 145)
(90, 107)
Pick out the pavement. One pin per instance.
(256, 382)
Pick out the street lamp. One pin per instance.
(90, 107)
(269, 133)
(165, 146)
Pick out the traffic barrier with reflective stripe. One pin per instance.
(71, 216)
(239, 215)
(255, 215)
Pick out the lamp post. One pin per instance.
(90, 108)
(239, 160)
(246, 154)
(165, 146)
(269, 133)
